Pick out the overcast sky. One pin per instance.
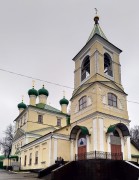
(39, 38)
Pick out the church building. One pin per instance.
(98, 124)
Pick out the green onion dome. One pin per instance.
(64, 101)
(33, 92)
(21, 105)
(43, 91)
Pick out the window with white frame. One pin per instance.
(25, 118)
(40, 118)
(36, 157)
(30, 159)
(83, 102)
(58, 121)
(112, 100)
(25, 160)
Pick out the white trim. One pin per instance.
(101, 135)
(50, 151)
(88, 144)
(87, 53)
(102, 41)
(71, 151)
(132, 164)
(108, 143)
(81, 61)
(55, 150)
(26, 141)
(46, 111)
(95, 135)
(122, 144)
(95, 114)
(21, 138)
(82, 82)
(76, 142)
(61, 136)
(128, 148)
(28, 145)
(45, 138)
(122, 141)
(96, 62)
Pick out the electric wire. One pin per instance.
(56, 84)
(38, 79)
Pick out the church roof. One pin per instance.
(97, 30)
(47, 107)
(121, 126)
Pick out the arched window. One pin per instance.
(36, 157)
(30, 159)
(85, 69)
(108, 64)
(112, 100)
(82, 103)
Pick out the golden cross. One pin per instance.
(33, 83)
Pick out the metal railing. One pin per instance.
(99, 155)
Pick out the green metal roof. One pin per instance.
(134, 156)
(21, 105)
(2, 157)
(75, 130)
(121, 126)
(43, 91)
(40, 105)
(33, 92)
(47, 107)
(97, 30)
(111, 128)
(64, 101)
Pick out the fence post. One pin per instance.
(95, 154)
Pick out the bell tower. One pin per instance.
(97, 78)
(98, 101)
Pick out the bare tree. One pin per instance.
(134, 132)
(6, 141)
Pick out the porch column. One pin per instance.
(55, 150)
(71, 151)
(95, 135)
(128, 149)
(101, 135)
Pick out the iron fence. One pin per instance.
(99, 155)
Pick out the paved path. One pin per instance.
(6, 175)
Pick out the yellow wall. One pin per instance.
(98, 95)
(43, 156)
(49, 120)
(63, 149)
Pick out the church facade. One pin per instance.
(98, 124)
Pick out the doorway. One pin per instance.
(81, 146)
(116, 149)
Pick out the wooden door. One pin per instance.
(116, 152)
(81, 152)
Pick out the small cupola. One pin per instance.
(43, 94)
(33, 93)
(64, 104)
(21, 106)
